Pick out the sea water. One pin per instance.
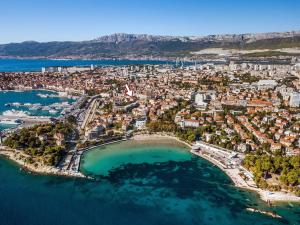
(35, 65)
(134, 183)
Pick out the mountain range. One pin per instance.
(122, 45)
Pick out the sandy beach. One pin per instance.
(157, 137)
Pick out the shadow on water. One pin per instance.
(186, 180)
(172, 192)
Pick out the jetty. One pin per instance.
(71, 162)
(27, 121)
(268, 213)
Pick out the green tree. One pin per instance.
(292, 177)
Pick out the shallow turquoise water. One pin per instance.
(101, 161)
(184, 190)
(165, 175)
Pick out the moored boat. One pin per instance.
(11, 121)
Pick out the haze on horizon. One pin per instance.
(78, 20)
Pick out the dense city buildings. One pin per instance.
(240, 108)
(253, 102)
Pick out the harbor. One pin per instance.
(34, 107)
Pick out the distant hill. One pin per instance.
(139, 45)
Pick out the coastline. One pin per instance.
(156, 137)
(14, 156)
(265, 195)
(233, 174)
(47, 89)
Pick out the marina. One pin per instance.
(11, 121)
(32, 107)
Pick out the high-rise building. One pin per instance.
(199, 100)
(295, 99)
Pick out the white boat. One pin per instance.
(16, 113)
(42, 95)
(35, 107)
(47, 95)
(52, 111)
(65, 103)
(46, 108)
(11, 121)
(63, 94)
(17, 104)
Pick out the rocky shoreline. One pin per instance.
(48, 170)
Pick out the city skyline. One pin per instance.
(81, 20)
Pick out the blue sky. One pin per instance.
(57, 20)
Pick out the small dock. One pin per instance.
(71, 162)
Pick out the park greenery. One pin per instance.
(275, 172)
(247, 78)
(92, 92)
(108, 107)
(40, 142)
(224, 81)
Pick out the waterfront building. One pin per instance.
(141, 123)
